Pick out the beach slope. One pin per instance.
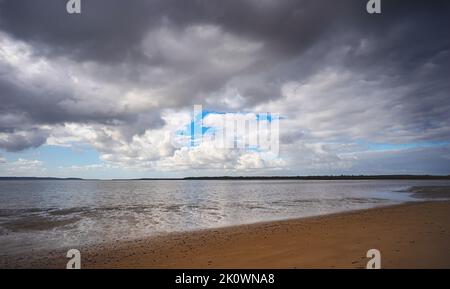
(413, 235)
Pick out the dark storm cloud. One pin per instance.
(409, 43)
(107, 30)
(44, 107)
(25, 139)
(23, 108)
(112, 29)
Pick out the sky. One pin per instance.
(102, 94)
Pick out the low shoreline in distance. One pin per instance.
(40, 179)
(331, 177)
(237, 178)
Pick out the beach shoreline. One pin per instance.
(410, 235)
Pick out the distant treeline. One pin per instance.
(341, 177)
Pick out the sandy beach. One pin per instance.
(413, 235)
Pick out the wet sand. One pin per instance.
(414, 235)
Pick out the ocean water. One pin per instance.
(46, 215)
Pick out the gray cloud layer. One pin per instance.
(229, 55)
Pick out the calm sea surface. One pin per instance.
(37, 215)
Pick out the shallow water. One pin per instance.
(47, 215)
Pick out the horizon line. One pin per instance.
(279, 177)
